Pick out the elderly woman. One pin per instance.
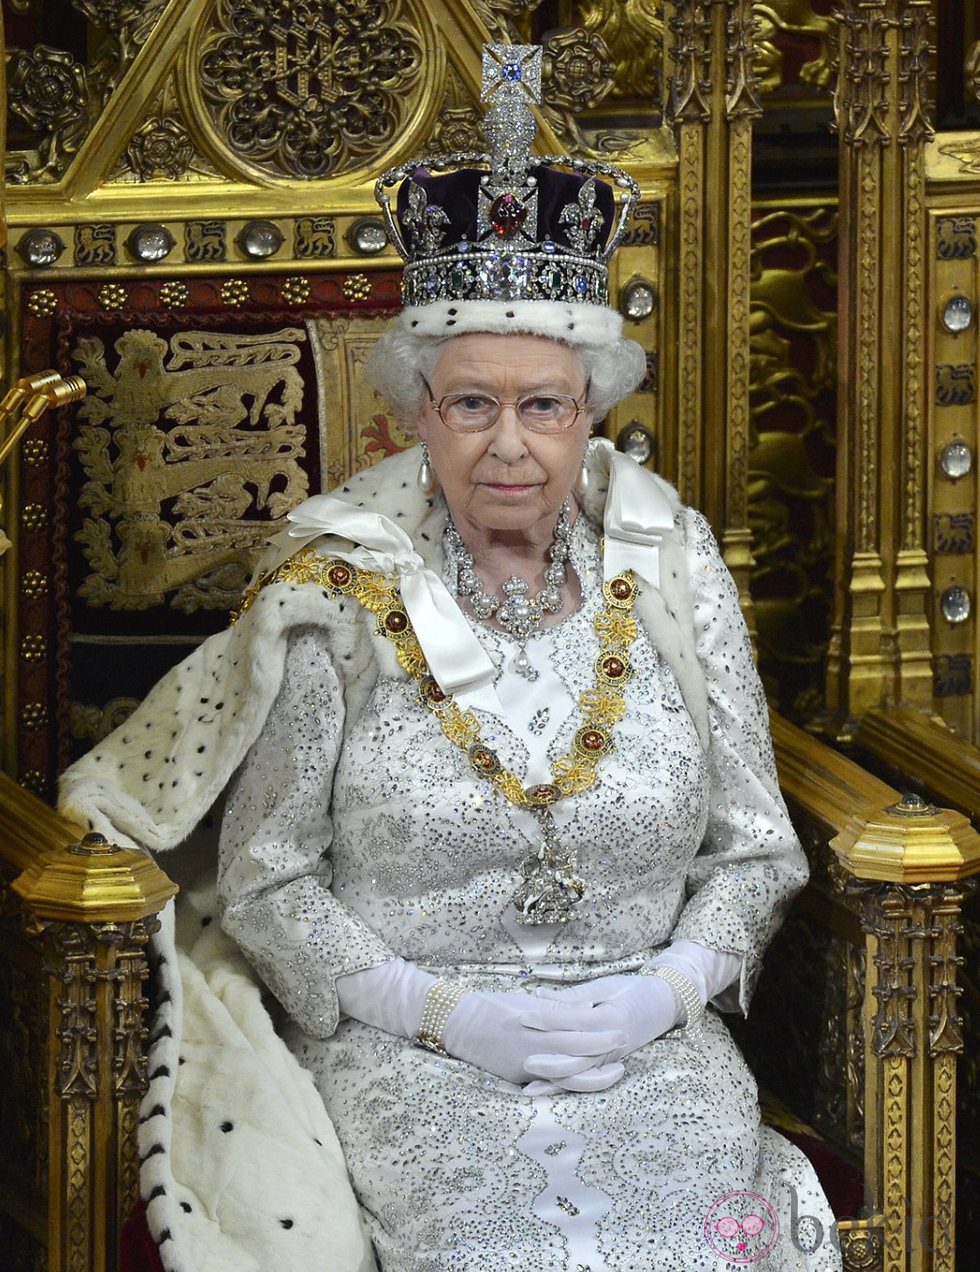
(506, 836)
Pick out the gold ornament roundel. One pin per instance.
(308, 89)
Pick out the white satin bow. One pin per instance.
(637, 518)
(371, 541)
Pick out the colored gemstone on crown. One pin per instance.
(511, 71)
(507, 215)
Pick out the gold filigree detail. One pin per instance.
(861, 97)
(174, 295)
(616, 628)
(915, 62)
(60, 98)
(742, 86)
(112, 296)
(42, 303)
(234, 292)
(33, 648)
(792, 380)
(861, 1248)
(34, 516)
(33, 780)
(34, 715)
(577, 70)
(35, 451)
(690, 95)
(34, 584)
(357, 287)
(459, 127)
(572, 773)
(294, 99)
(160, 147)
(296, 290)
(632, 31)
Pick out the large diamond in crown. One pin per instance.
(507, 225)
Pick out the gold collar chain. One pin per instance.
(602, 706)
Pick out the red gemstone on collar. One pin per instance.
(339, 575)
(431, 692)
(396, 621)
(620, 588)
(507, 215)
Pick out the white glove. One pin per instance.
(710, 971)
(638, 1008)
(516, 1036)
(641, 1007)
(508, 1032)
(390, 996)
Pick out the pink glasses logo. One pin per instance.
(741, 1227)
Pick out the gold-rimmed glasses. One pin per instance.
(473, 411)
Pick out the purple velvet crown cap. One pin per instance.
(456, 194)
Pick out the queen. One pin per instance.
(503, 834)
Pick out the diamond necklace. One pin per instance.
(519, 613)
(550, 888)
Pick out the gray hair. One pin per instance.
(401, 358)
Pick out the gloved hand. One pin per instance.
(509, 1033)
(639, 1007)
(517, 1036)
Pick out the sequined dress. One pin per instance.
(350, 838)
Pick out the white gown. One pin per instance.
(350, 841)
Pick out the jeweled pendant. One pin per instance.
(551, 889)
(523, 666)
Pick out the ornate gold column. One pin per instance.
(879, 648)
(89, 908)
(912, 866)
(712, 102)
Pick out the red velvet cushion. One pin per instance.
(137, 1249)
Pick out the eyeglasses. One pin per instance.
(540, 412)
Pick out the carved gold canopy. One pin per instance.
(191, 227)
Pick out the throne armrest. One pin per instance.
(75, 918)
(908, 866)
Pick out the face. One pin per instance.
(507, 478)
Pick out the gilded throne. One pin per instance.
(218, 285)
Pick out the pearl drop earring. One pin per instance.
(581, 486)
(426, 478)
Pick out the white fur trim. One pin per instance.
(572, 324)
(203, 741)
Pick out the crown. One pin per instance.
(507, 225)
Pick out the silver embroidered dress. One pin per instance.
(353, 838)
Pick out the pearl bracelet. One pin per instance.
(441, 998)
(687, 996)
